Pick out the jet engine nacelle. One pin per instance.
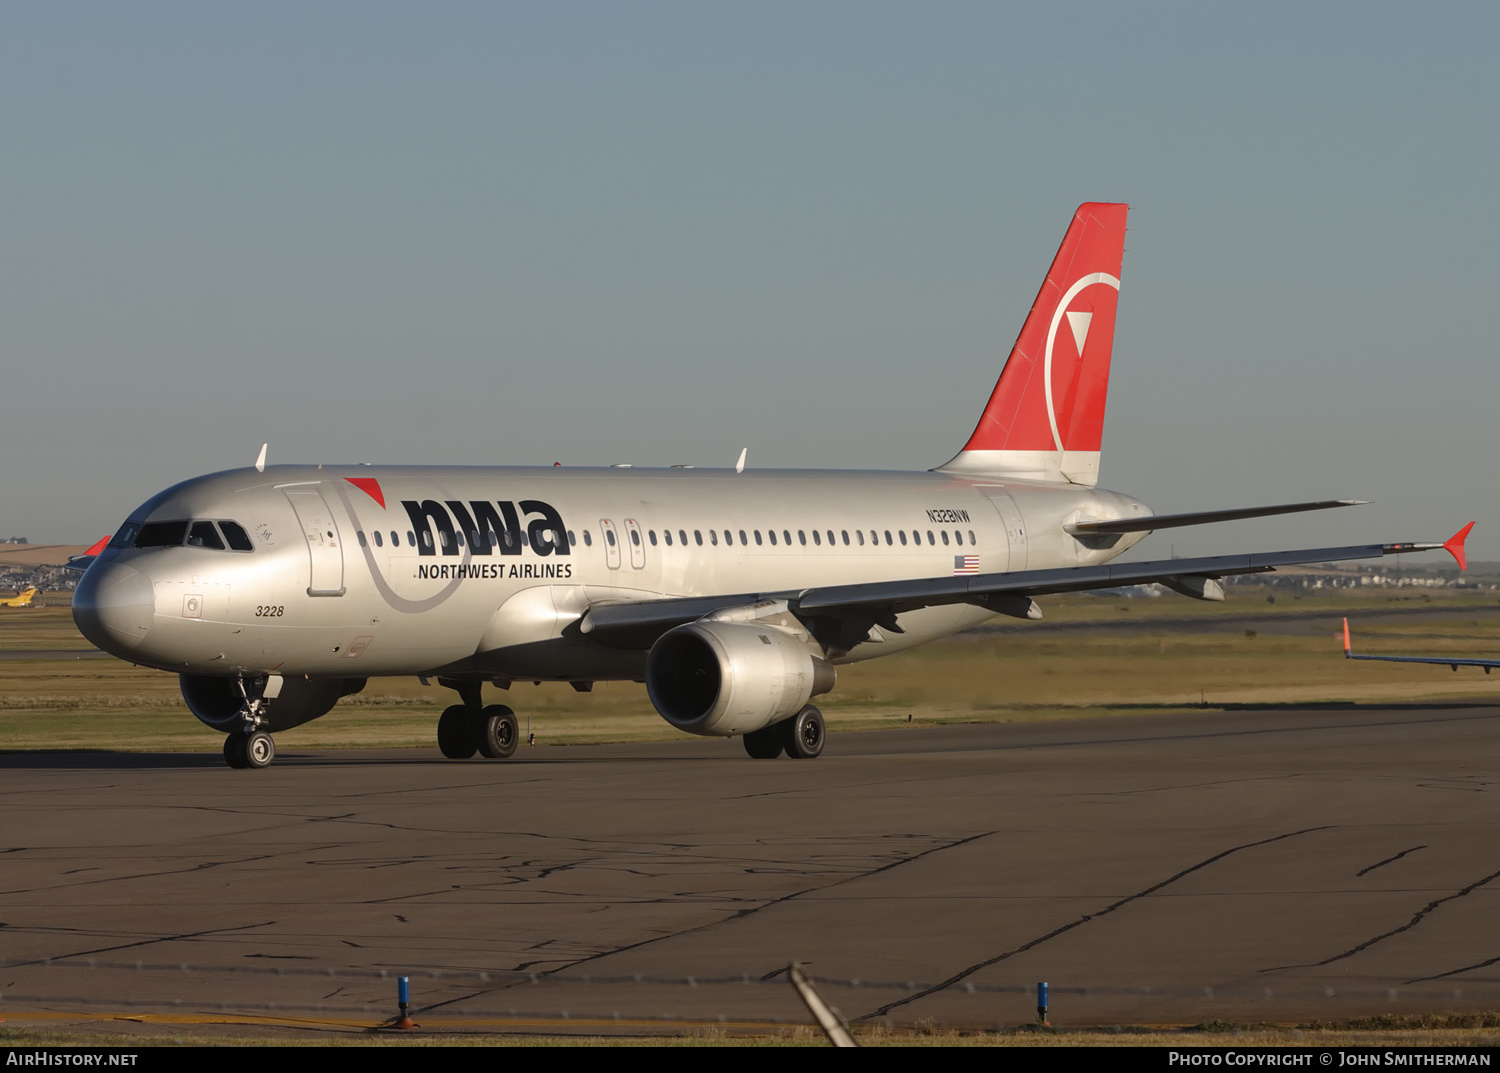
(217, 701)
(725, 678)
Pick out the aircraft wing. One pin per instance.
(1454, 662)
(640, 622)
(84, 561)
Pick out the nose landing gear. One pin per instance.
(249, 746)
(253, 750)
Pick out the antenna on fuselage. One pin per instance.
(260, 461)
(739, 467)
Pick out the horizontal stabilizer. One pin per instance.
(1443, 661)
(1173, 521)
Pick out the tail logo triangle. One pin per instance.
(1079, 322)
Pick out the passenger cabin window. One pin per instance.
(817, 538)
(666, 534)
(757, 537)
(682, 535)
(772, 534)
(588, 539)
(697, 537)
(360, 536)
(376, 534)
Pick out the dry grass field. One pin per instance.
(1092, 655)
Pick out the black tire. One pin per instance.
(499, 733)
(456, 733)
(765, 743)
(234, 751)
(803, 734)
(260, 750)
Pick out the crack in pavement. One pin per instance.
(1055, 932)
(1416, 919)
(1388, 860)
(141, 942)
(739, 914)
(128, 876)
(1455, 972)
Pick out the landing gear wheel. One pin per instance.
(499, 732)
(765, 743)
(260, 750)
(234, 751)
(802, 735)
(456, 736)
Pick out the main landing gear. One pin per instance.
(472, 727)
(491, 731)
(800, 737)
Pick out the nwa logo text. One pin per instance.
(484, 529)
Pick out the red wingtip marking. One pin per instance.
(97, 548)
(370, 486)
(1454, 546)
(1346, 636)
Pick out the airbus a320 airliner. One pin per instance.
(733, 595)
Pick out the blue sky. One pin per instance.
(656, 233)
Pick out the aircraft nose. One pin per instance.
(113, 605)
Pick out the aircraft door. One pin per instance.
(611, 544)
(637, 544)
(1015, 529)
(325, 553)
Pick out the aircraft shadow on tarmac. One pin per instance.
(1000, 737)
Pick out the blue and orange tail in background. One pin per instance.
(1045, 418)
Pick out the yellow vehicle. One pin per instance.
(23, 600)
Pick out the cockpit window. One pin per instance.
(204, 535)
(238, 539)
(161, 534)
(123, 538)
(196, 534)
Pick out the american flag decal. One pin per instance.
(965, 564)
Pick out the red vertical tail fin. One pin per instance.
(1045, 418)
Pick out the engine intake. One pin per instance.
(725, 678)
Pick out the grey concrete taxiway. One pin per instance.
(1256, 865)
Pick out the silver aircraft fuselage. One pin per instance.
(361, 571)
